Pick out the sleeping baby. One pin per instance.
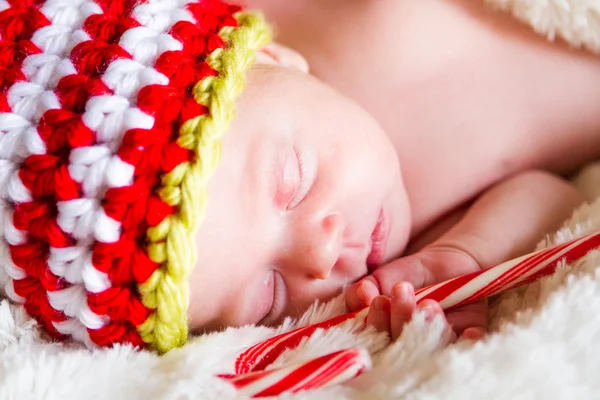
(137, 204)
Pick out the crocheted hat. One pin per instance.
(111, 113)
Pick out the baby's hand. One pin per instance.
(391, 314)
(502, 224)
(396, 280)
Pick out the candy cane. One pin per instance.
(450, 294)
(509, 275)
(327, 370)
(259, 356)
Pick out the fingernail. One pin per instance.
(474, 334)
(362, 294)
(367, 290)
(429, 310)
(403, 291)
(379, 304)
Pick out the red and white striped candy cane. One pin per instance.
(509, 275)
(327, 370)
(452, 293)
(261, 355)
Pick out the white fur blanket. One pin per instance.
(543, 343)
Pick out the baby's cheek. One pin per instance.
(193, 317)
(202, 310)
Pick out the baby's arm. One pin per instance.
(505, 222)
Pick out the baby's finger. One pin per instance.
(432, 309)
(360, 294)
(468, 316)
(379, 314)
(403, 306)
(409, 269)
(473, 333)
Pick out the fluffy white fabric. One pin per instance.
(542, 346)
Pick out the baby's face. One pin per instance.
(294, 205)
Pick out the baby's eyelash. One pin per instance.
(302, 187)
(277, 299)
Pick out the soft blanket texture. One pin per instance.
(542, 346)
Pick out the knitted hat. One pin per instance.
(111, 112)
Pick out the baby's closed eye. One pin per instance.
(275, 297)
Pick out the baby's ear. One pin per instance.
(277, 54)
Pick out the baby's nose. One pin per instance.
(315, 246)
